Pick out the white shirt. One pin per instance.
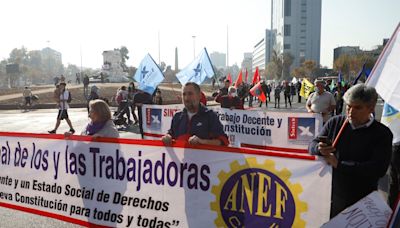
(63, 100)
(320, 103)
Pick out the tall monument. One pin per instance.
(176, 60)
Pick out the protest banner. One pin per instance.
(246, 128)
(370, 211)
(141, 183)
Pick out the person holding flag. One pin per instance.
(306, 88)
(148, 75)
(385, 78)
(356, 146)
(231, 100)
(257, 91)
(264, 89)
(224, 90)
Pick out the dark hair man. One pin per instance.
(195, 124)
(62, 96)
(362, 152)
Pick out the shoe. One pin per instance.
(130, 121)
(136, 122)
(72, 130)
(52, 132)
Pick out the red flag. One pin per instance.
(239, 79)
(247, 75)
(229, 77)
(257, 92)
(256, 77)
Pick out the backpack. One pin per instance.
(69, 97)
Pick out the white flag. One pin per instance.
(385, 76)
(391, 118)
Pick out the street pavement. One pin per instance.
(40, 121)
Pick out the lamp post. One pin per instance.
(194, 46)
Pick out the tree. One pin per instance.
(287, 61)
(306, 70)
(279, 66)
(274, 67)
(18, 56)
(351, 65)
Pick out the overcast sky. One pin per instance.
(73, 27)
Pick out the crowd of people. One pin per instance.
(358, 147)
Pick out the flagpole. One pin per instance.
(227, 47)
(159, 47)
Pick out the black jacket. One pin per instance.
(363, 157)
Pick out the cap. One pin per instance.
(63, 83)
(319, 81)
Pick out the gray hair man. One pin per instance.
(321, 101)
(360, 155)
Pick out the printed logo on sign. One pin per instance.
(153, 118)
(257, 195)
(301, 130)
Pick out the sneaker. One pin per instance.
(72, 130)
(52, 132)
(130, 122)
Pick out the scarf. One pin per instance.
(93, 128)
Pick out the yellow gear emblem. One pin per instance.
(257, 195)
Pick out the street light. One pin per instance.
(194, 46)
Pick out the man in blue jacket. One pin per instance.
(195, 124)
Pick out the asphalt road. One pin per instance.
(40, 121)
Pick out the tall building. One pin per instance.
(262, 51)
(218, 59)
(176, 60)
(52, 60)
(297, 28)
(247, 62)
(345, 50)
(259, 59)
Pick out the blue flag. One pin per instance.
(198, 70)
(340, 78)
(148, 75)
(363, 70)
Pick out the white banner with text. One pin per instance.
(141, 183)
(286, 130)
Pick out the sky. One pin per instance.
(82, 29)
